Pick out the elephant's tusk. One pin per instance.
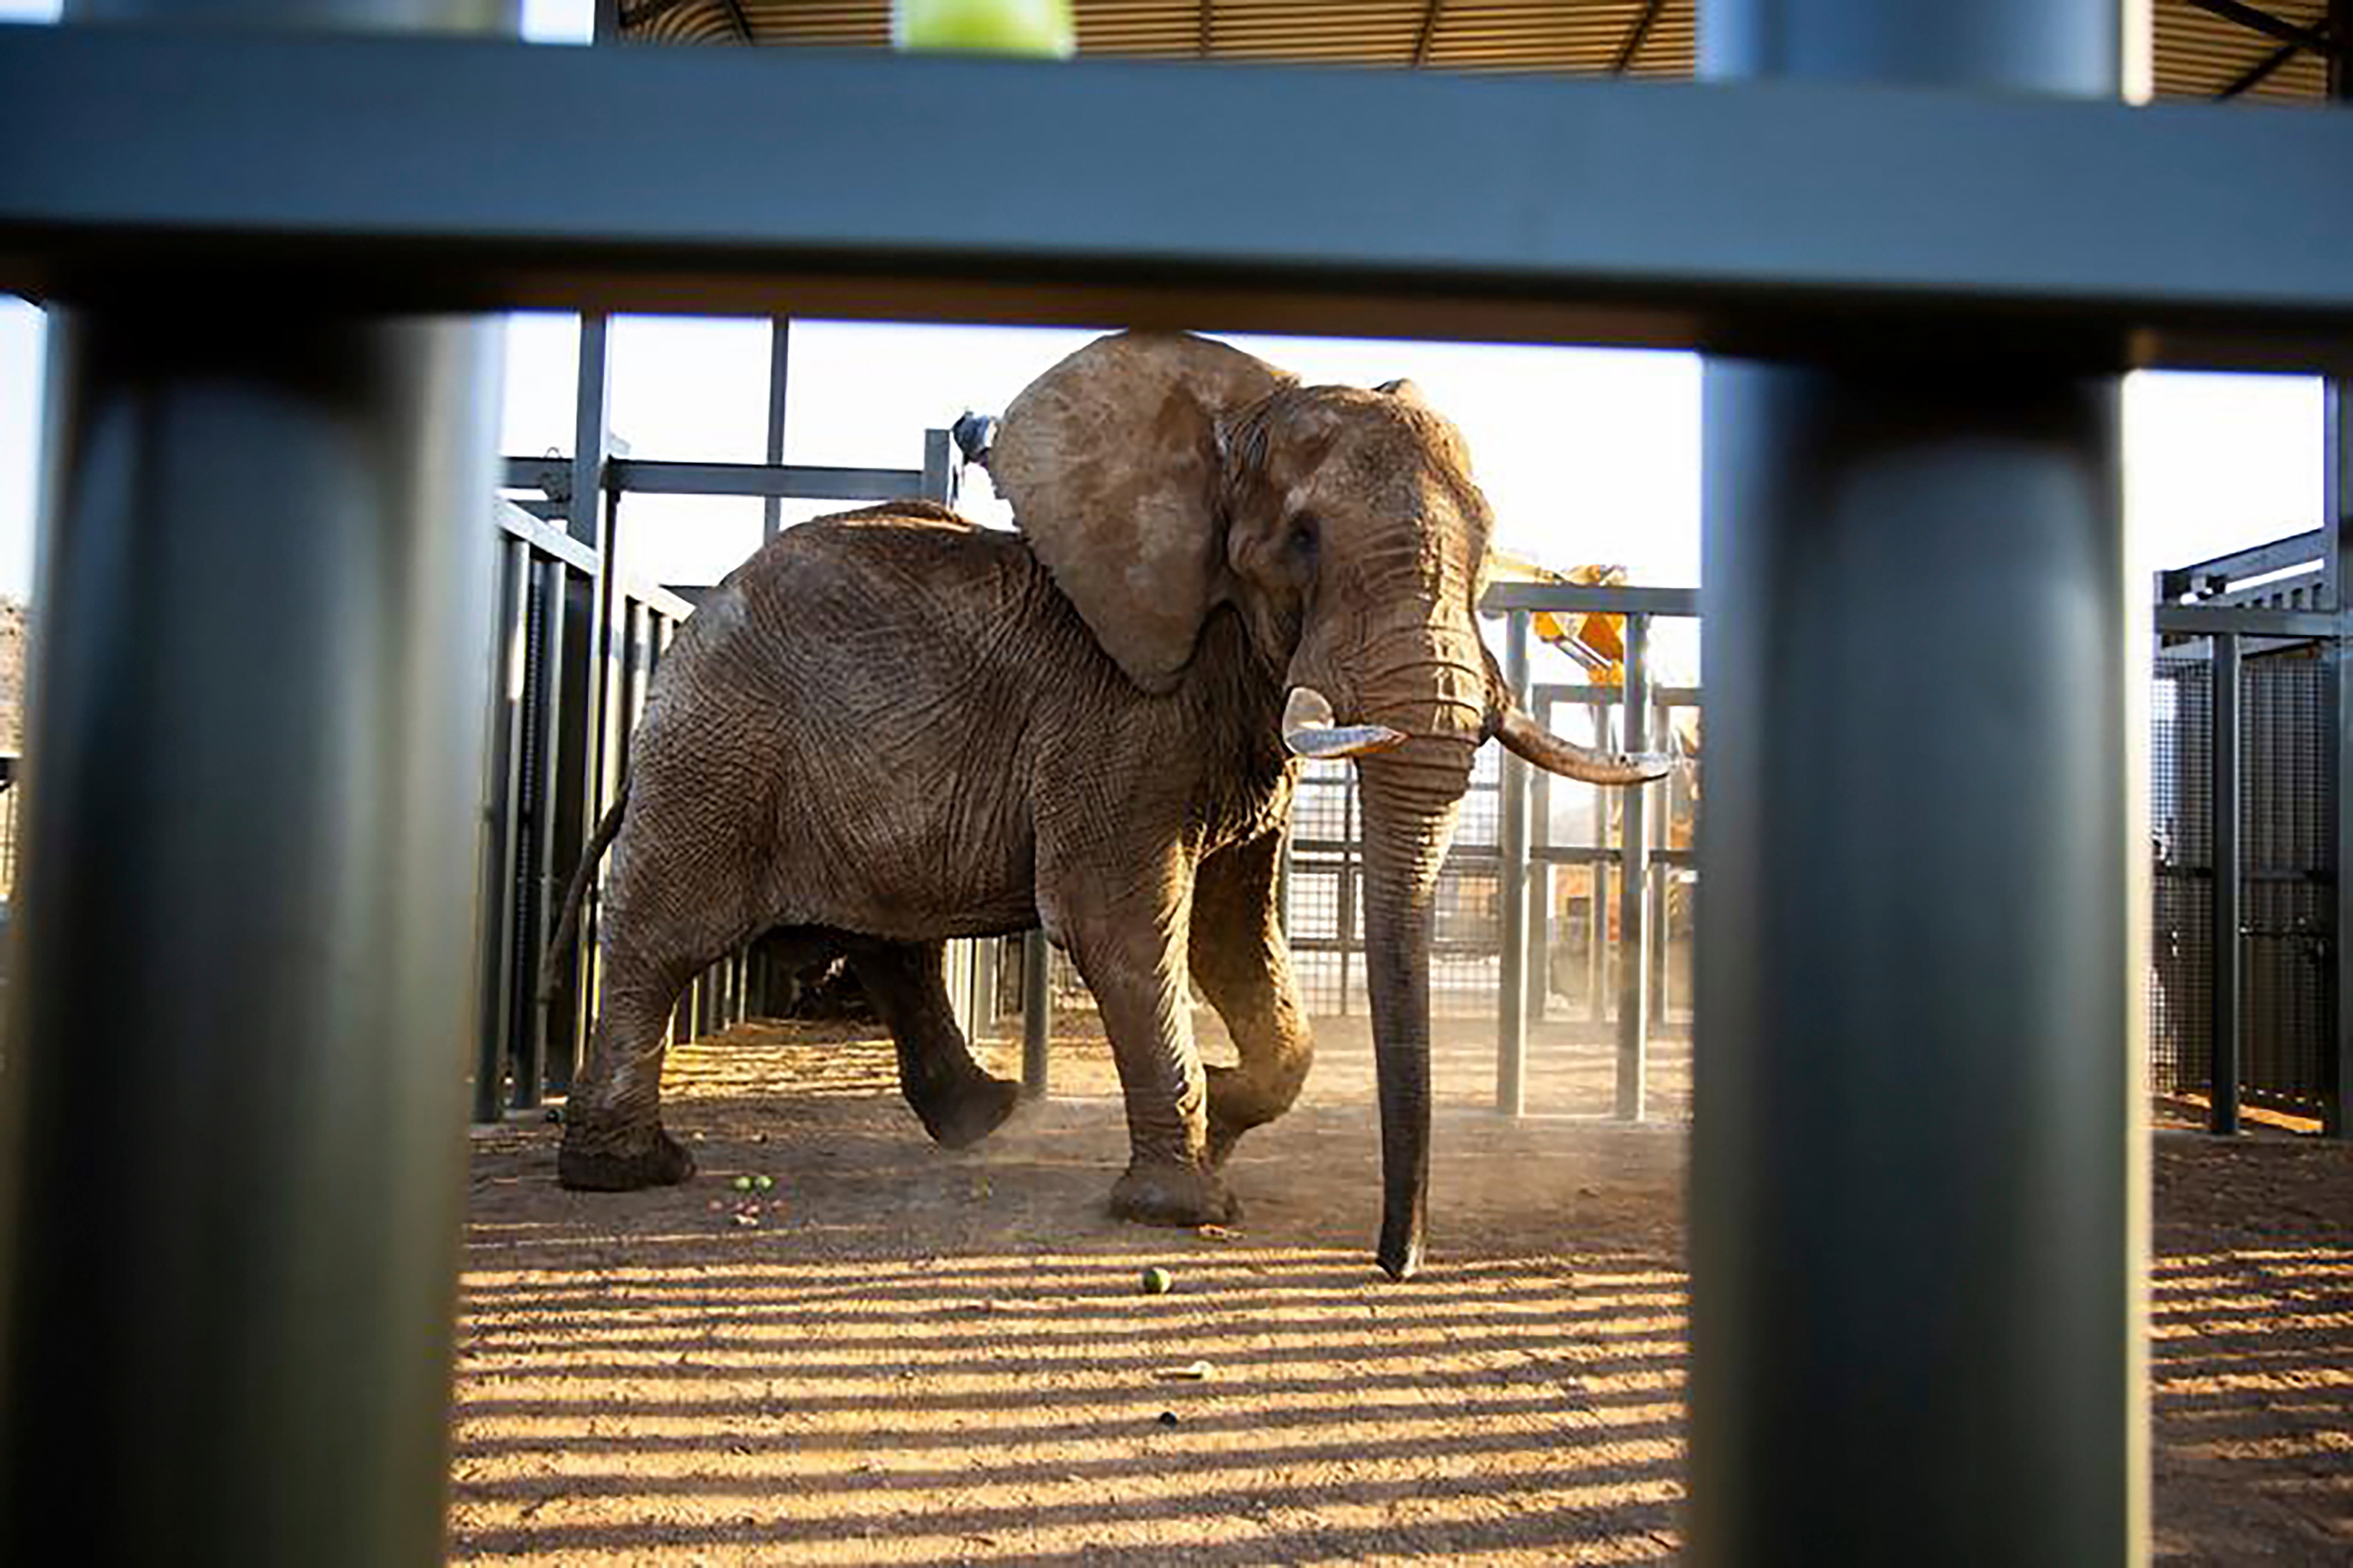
(1309, 731)
(1533, 742)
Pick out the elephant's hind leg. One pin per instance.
(1243, 967)
(959, 1103)
(613, 1137)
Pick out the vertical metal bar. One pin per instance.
(525, 1039)
(1346, 894)
(1634, 886)
(504, 812)
(547, 1046)
(1660, 811)
(984, 983)
(1511, 837)
(608, 629)
(1917, 994)
(593, 518)
(2337, 514)
(2227, 891)
(253, 844)
(564, 1019)
(1597, 918)
(1538, 991)
(939, 467)
(1037, 1013)
(780, 334)
(592, 434)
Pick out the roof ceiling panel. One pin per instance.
(2197, 53)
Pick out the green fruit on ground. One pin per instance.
(1000, 26)
(1156, 1281)
(743, 1184)
(764, 1180)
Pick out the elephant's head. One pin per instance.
(1160, 476)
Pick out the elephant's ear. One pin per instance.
(1112, 462)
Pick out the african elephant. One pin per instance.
(890, 728)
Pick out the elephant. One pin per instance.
(890, 728)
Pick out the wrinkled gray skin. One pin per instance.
(888, 729)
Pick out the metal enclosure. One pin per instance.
(1914, 422)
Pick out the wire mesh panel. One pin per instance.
(1323, 897)
(2289, 896)
(2182, 834)
(2288, 876)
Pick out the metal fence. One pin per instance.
(1556, 902)
(581, 644)
(2284, 955)
(2244, 986)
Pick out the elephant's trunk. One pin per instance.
(1410, 801)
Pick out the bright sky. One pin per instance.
(1588, 455)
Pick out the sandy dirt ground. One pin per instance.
(895, 1354)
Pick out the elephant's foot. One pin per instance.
(1165, 1192)
(588, 1165)
(961, 1116)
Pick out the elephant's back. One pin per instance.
(907, 586)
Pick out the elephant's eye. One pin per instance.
(1304, 538)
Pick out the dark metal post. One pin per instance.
(1539, 904)
(1512, 841)
(2229, 879)
(252, 853)
(1918, 1228)
(1659, 813)
(780, 334)
(1597, 918)
(565, 1020)
(1037, 1013)
(551, 873)
(503, 810)
(2337, 516)
(1634, 886)
(939, 467)
(1346, 894)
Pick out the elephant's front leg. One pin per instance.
(1243, 967)
(1126, 929)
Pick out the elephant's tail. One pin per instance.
(567, 920)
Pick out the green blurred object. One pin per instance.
(1157, 1282)
(1000, 26)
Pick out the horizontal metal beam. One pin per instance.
(1660, 696)
(1590, 599)
(655, 597)
(646, 476)
(2309, 548)
(1589, 855)
(1762, 218)
(2247, 620)
(548, 539)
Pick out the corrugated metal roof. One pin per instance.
(2198, 54)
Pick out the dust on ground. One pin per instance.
(896, 1355)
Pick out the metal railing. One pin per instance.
(1642, 893)
(2248, 974)
(581, 644)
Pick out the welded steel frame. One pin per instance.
(587, 490)
(1642, 895)
(1766, 218)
